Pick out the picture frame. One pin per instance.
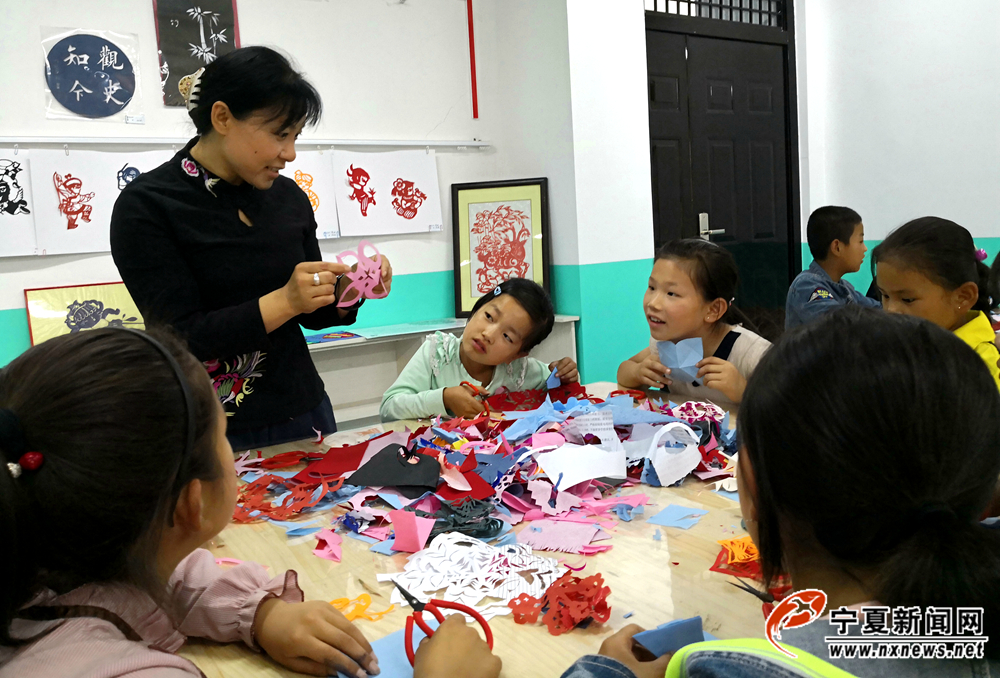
(501, 231)
(54, 311)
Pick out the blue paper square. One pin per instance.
(677, 516)
(672, 636)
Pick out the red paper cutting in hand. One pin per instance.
(529, 400)
(567, 602)
(365, 278)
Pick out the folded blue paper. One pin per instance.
(672, 636)
(391, 652)
(682, 358)
(553, 381)
(677, 516)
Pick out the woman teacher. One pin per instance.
(218, 245)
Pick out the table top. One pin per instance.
(651, 581)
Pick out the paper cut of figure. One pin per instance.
(90, 76)
(305, 182)
(501, 238)
(72, 200)
(126, 175)
(407, 198)
(357, 179)
(384, 193)
(12, 200)
(190, 35)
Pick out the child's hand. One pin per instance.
(651, 372)
(622, 647)
(723, 376)
(462, 402)
(455, 649)
(313, 637)
(567, 371)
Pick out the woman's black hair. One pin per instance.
(713, 271)
(256, 79)
(108, 414)
(533, 299)
(943, 251)
(874, 440)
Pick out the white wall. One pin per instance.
(607, 51)
(902, 105)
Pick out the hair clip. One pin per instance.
(190, 87)
(496, 291)
(29, 461)
(981, 254)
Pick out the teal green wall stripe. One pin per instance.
(14, 337)
(414, 297)
(863, 278)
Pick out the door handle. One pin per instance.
(704, 231)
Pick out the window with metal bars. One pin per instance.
(755, 12)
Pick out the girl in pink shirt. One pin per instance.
(115, 469)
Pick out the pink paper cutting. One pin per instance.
(328, 545)
(411, 531)
(550, 535)
(366, 278)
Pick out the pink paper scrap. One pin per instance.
(551, 535)
(411, 530)
(328, 545)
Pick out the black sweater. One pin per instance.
(190, 262)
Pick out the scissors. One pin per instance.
(433, 606)
(479, 393)
(764, 596)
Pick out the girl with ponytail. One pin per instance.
(114, 469)
(931, 268)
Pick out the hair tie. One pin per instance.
(190, 88)
(496, 291)
(13, 443)
(981, 254)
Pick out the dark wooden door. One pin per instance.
(719, 143)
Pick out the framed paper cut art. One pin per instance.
(75, 195)
(17, 221)
(54, 311)
(313, 172)
(384, 193)
(501, 231)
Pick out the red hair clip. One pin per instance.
(29, 461)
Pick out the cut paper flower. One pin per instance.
(365, 278)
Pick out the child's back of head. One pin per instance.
(902, 426)
(118, 438)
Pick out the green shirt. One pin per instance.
(419, 390)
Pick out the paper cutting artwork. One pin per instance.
(500, 234)
(90, 75)
(126, 175)
(407, 198)
(191, 34)
(73, 202)
(385, 193)
(357, 179)
(365, 278)
(17, 221)
(55, 311)
(12, 199)
(305, 182)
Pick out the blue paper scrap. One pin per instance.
(682, 358)
(391, 652)
(384, 547)
(677, 516)
(297, 529)
(657, 536)
(671, 636)
(627, 512)
(362, 537)
(735, 496)
(553, 381)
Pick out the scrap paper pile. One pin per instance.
(552, 462)
(566, 604)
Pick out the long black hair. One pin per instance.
(256, 79)
(713, 271)
(875, 443)
(533, 299)
(108, 414)
(943, 251)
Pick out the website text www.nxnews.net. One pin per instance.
(894, 647)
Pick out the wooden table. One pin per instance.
(655, 581)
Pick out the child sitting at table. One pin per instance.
(114, 469)
(837, 243)
(930, 268)
(902, 426)
(690, 294)
(505, 325)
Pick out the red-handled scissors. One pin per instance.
(433, 606)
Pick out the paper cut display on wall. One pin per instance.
(500, 239)
(313, 172)
(55, 311)
(381, 193)
(17, 223)
(89, 75)
(75, 194)
(190, 35)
